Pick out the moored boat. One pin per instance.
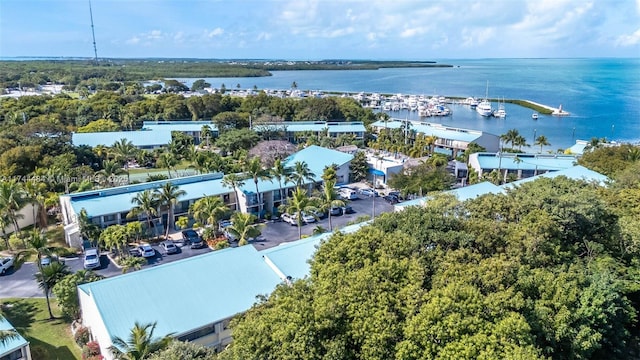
(534, 116)
(484, 107)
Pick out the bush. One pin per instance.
(81, 336)
(91, 351)
(15, 241)
(218, 243)
(39, 352)
(66, 252)
(209, 234)
(221, 245)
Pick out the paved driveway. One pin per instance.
(21, 283)
(274, 234)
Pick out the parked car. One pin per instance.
(347, 209)
(224, 224)
(91, 258)
(391, 199)
(335, 211)
(191, 237)
(319, 214)
(308, 218)
(48, 259)
(5, 264)
(146, 251)
(397, 194)
(348, 194)
(368, 192)
(289, 218)
(168, 247)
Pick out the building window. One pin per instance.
(202, 332)
(16, 355)
(109, 218)
(225, 198)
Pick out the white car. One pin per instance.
(308, 218)
(348, 194)
(146, 251)
(5, 264)
(91, 258)
(290, 219)
(368, 192)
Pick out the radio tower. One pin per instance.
(93, 33)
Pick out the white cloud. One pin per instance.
(133, 41)
(629, 39)
(215, 32)
(263, 36)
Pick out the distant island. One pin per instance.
(59, 70)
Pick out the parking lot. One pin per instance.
(21, 283)
(274, 234)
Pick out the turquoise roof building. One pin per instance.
(449, 140)
(143, 139)
(194, 298)
(521, 165)
(15, 348)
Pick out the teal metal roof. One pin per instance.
(192, 126)
(577, 172)
(292, 259)
(11, 344)
(415, 202)
(436, 130)
(539, 162)
(473, 191)
(118, 199)
(144, 138)
(317, 158)
(578, 147)
(316, 126)
(183, 295)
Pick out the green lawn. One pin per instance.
(49, 339)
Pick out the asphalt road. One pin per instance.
(274, 234)
(21, 283)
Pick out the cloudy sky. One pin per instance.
(322, 29)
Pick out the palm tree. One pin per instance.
(205, 133)
(542, 141)
(12, 200)
(328, 199)
(298, 203)
(7, 335)
(430, 141)
(110, 169)
(123, 150)
(48, 277)
(168, 196)
(38, 242)
(168, 160)
(233, 181)
(4, 222)
(36, 195)
(208, 210)
(243, 227)
(301, 172)
(253, 169)
(146, 203)
(140, 343)
(280, 173)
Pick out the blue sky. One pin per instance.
(328, 29)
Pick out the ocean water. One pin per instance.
(602, 95)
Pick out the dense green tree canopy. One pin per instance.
(535, 273)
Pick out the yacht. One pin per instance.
(484, 107)
(501, 113)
